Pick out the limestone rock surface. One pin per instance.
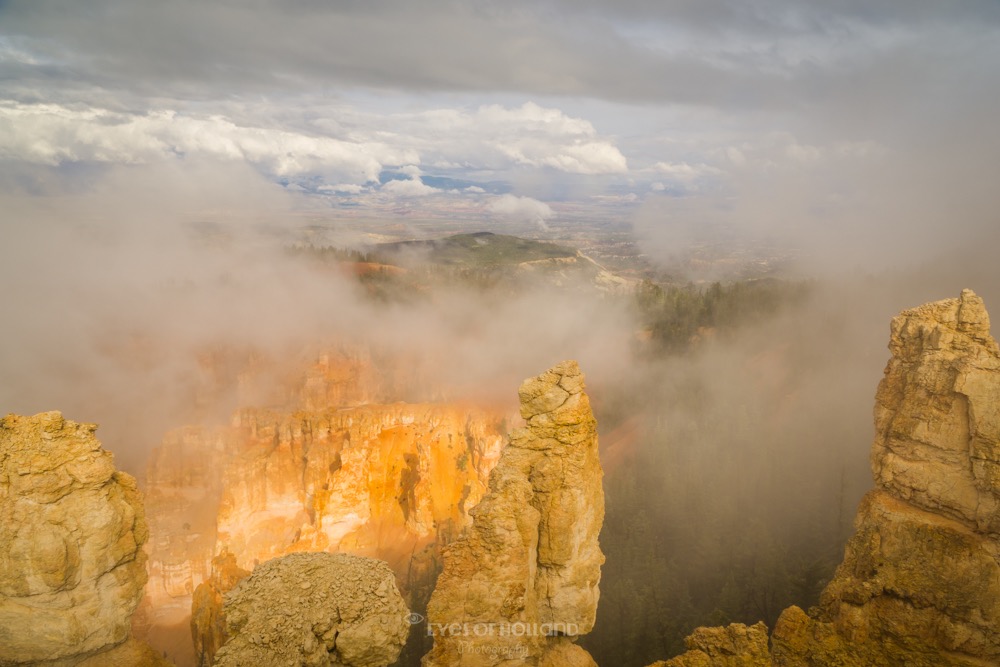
(315, 609)
(524, 582)
(71, 533)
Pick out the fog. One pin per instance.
(154, 172)
(118, 278)
(115, 296)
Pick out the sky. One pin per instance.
(828, 124)
(860, 135)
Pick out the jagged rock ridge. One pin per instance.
(71, 529)
(523, 584)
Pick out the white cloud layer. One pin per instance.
(51, 134)
(497, 137)
(409, 187)
(725, 107)
(491, 137)
(511, 208)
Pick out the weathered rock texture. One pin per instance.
(937, 414)
(920, 581)
(736, 645)
(315, 609)
(71, 531)
(523, 584)
(379, 480)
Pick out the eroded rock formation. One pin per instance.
(379, 480)
(523, 584)
(315, 609)
(920, 581)
(71, 531)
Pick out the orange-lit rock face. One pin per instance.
(378, 480)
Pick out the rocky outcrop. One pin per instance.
(920, 581)
(384, 481)
(736, 645)
(71, 531)
(315, 609)
(208, 623)
(937, 414)
(523, 584)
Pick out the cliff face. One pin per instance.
(72, 527)
(937, 414)
(920, 581)
(377, 480)
(524, 583)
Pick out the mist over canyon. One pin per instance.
(295, 259)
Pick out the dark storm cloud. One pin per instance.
(732, 54)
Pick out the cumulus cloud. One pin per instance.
(344, 146)
(539, 137)
(52, 134)
(512, 208)
(343, 188)
(409, 187)
(498, 137)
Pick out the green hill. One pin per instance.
(479, 249)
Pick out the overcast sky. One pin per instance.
(792, 117)
(863, 137)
